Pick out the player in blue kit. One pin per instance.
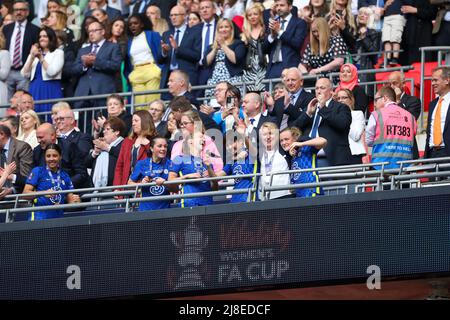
(50, 178)
(303, 155)
(238, 163)
(154, 169)
(190, 165)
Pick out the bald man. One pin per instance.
(409, 103)
(331, 120)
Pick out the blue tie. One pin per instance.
(173, 60)
(206, 42)
(315, 126)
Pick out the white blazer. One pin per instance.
(55, 62)
(279, 164)
(355, 135)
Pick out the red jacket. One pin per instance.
(123, 167)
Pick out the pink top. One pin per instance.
(209, 147)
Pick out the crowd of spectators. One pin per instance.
(86, 48)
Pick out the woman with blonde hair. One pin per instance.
(29, 121)
(253, 37)
(342, 22)
(226, 55)
(324, 52)
(5, 67)
(57, 20)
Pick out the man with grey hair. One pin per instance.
(290, 107)
(331, 120)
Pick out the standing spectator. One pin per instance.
(178, 85)
(5, 67)
(84, 36)
(180, 48)
(391, 130)
(393, 26)
(29, 121)
(348, 77)
(159, 24)
(194, 19)
(226, 56)
(232, 8)
(330, 120)
(101, 16)
(115, 107)
(111, 12)
(419, 16)
(20, 36)
(438, 139)
(57, 20)
(356, 133)
(441, 28)
(59, 181)
(68, 81)
(156, 109)
(164, 5)
(25, 102)
(44, 68)
(119, 36)
(342, 23)
(286, 33)
(12, 122)
(144, 51)
(324, 52)
(315, 9)
(135, 147)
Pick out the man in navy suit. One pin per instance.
(328, 119)
(284, 40)
(287, 109)
(111, 12)
(20, 36)
(96, 66)
(180, 48)
(438, 136)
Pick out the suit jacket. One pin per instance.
(187, 55)
(446, 132)
(112, 161)
(30, 38)
(335, 127)
(361, 99)
(22, 154)
(292, 111)
(110, 11)
(123, 166)
(100, 78)
(154, 43)
(164, 5)
(291, 43)
(162, 130)
(413, 105)
(192, 99)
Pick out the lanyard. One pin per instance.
(268, 163)
(57, 183)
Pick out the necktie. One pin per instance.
(277, 54)
(206, 42)
(315, 126)
(437, 130)
(252, 121)
(95, 48)
(173, 60)
(17, 60)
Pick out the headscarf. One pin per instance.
(353, 81)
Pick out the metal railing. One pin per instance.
(333, 178)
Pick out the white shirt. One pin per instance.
(140, 51)
(278, 164)
(255, 123)
(212, 27)
(444, 109)
(13, 40)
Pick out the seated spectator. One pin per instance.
(44, 68)
(5, 66)
(8, 19)
(29, 121)
(342, 23)
(357, 127)
(324, 52)
(194, 163)
(279, 91)
(154, 169)
(230, 111)
(349, 80)
(190, 123)
(159, 24)
(157, 109)
(178, 85)
(194, 19)
(272, 161)
(59, 181)
(115, 107)
(135, 147)
(13, 110)
(5, 172)
(25, 102)
(103, 158)
(303, 155)
(226, 56)
(144, 51)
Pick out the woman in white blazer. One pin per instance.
(44, 68)
(357, 128)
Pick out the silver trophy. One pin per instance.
(191, 244)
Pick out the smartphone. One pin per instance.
(339, 13)
(230, 102)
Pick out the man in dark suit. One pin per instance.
(287, 109)
(438, 136)
(178, 85)
(20, 36)
(330, 120)
(96, 66)
(410, 103)
(75, 146)
(111, 12)
(164, 5)
(156, 109)
(180, 48)
(284, 40)
(18, 151)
